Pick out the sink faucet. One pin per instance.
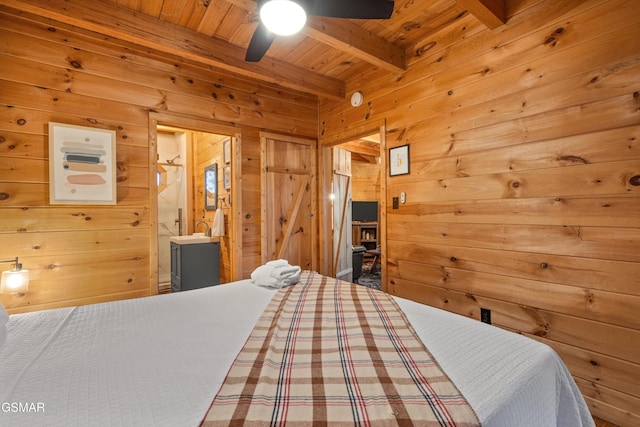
(207, 231)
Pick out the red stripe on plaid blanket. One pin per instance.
(330, 352)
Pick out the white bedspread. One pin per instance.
(510, 380)
(160, 360)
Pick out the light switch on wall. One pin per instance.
(403, 197)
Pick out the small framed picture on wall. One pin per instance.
(399, 160)
(226, 177)
(226, 149)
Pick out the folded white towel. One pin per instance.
(278, 262)
(286, 275)
(276, 274)
(262, 276)
(285, 271)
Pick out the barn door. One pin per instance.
(342, 235)
(289, 227)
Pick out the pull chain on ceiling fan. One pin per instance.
(287, 17)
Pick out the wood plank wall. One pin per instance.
(524, 183)
(251, 198)
(51, 72)
(365, 181)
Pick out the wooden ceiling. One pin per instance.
(320, 60)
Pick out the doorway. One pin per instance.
(173, 188)
(357, 209)
(194, 145)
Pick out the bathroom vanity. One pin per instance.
(195, 262)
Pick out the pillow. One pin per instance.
(4, 318)
(3, 336)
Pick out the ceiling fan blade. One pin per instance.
(259, 44)
(353, 9)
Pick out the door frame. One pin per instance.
(326, 173)
(200, 125)
(313, 144)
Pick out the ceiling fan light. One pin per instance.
(283, 17)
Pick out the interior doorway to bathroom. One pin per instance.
(174, 189)
(181, 150)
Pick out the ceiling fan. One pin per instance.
(286, 17)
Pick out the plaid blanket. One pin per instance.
(327, 352)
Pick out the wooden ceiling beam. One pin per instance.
(350, 38)
(362, 158)
(492, 13)
(362, 147)
(249, 5)
(124, 24)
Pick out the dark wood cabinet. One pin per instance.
(194, 265)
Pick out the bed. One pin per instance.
(161, 360)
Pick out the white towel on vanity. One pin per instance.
(218, 224)
(276, 274)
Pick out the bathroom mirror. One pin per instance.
(211, 187)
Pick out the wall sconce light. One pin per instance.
(15, 280)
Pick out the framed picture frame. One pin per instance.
(211, 187)
(226, 177)
(82, 164)
(226, 149)
(399, 160)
